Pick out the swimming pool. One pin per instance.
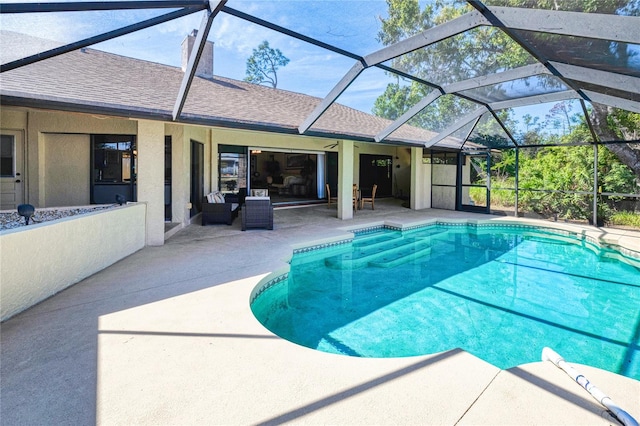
(501, 293)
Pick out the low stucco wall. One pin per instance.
(40, 260)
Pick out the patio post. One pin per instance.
(346, 179)
(150, 171)
(420, 181)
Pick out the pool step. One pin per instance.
(427, 233)
(387, 254)
(394, 259)
(368, 239)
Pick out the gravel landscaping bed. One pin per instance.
(11, 219)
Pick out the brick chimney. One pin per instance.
(205, 66)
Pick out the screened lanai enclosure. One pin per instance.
(527, 107)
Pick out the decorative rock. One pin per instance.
(10, 220)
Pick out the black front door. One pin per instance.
(375, 170)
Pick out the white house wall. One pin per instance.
(67, 170)
(420, 181)
(180, 169)
(42, 123)
(150, 177)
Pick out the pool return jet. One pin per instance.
(625, 418)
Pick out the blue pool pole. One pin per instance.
(549, 354)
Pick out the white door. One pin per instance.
(11, 170)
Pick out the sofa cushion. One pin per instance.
(215, 197)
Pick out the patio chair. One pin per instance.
(329, 197)
(257, 212)
(369, 199)
(355, 198)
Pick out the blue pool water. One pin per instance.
(499, 293)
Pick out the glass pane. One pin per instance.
(367, 94)
(549, 123)
(621, 125)
(354, 26)
(618, 186)
(479, 51)
(503, 201)
(436, 117)
(620, 212)
(530, 86)
(114, 159)
(232, 172)
(332, 22)
(556, 182)
(488, 133)
(503, 182)
(474, 196)
(7, 156)
(459, 137)
(556, 168)
(614, 176)
(568, 207)
(624, 7)
(604, 55)
(59, 28)
(235, 40)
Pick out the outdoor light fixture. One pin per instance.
(26, 211)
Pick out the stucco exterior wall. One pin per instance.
(420, 181)
(38, 125)
(402, 174)
(67, 171)
(43, 259)
(179, 173)
(150, 177)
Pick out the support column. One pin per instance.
(517, 179)
(595, 185)
(150, 177)
(345, 179)
(420, 181)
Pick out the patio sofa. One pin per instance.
(215, 209)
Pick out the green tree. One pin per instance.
(263, 64)
(487, 50)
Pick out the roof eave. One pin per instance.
(10, 98)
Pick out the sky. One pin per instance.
(311, 70)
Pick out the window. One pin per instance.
(232, 171)
(7, 163)
(433, 157)
(114, 161)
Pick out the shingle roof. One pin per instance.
(95, 81)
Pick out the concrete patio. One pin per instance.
(166, 336)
